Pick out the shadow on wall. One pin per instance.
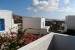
(63, 42)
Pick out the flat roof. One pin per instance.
(6, 10)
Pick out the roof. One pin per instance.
(6, 10)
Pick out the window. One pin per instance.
(43, 24)
(2, 24)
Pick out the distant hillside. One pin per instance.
(17, 18)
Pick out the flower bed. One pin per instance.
(14, 41)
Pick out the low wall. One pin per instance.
(42, 31)
(47, 27)
(41, 44)
(52, 41)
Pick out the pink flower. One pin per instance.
(5, 37)
(12, 33)
(38, 36)
(17, 47)
(27, 40)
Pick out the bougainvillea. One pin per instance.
(11, 41)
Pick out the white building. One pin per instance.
(6, 20)
(70, 22)
(35, 22)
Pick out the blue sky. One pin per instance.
(53, 9)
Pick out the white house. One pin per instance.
(6, 20)
(70, 22)
(35, 22)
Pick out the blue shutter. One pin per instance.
(2, 24)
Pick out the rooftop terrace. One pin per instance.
(52, 41)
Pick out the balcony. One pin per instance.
(52, 41)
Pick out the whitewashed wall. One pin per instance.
(44, 43)
(7, 15)
(70, 21)
(42, 21)
(31, 22)
(14, 27)
(47, 27)
(34, 22)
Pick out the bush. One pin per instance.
(14, 41)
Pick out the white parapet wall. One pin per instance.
(47, 27)
(7, 16)
(52, 41)
(40, 44)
